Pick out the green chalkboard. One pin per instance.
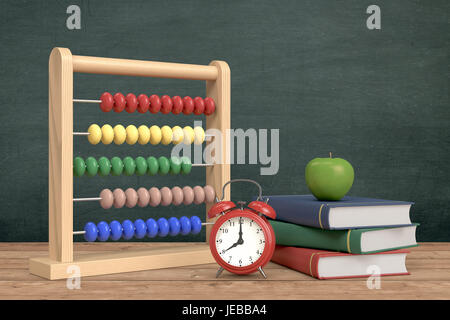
(312, 69)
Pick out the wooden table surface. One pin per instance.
(429, 265)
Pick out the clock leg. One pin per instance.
(262, 272)
(219, 272)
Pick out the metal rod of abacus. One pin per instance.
(87, 101)
(87, 133)
(100, 198)
(202, 164)
(86, 199)
(83, 232)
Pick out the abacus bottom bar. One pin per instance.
(151, 256)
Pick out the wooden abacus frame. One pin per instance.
(62, 65)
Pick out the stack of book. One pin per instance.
(352, 237)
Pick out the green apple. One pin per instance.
(329, 178)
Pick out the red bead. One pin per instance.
(155, 103)
(107, 102)
(199, 106)
(167, 104)
(119, 102)
(188, 105)
(210, 106)
(132, 103)
(143, 103)
(177, 105)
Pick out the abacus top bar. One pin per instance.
(140, 68)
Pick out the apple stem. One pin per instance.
(331, 155)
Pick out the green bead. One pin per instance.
(130, 166)
(141, 166)
(104, 166)
(79, 167)
(91, 166)
(153, 166)
(116, 166)
(186, 165)
(164, 165)
(175, 165)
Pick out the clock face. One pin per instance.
(240, 241)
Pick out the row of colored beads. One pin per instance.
(139, 229)
(155, 197)
(154, 104)
(143, 135)
(130, 166)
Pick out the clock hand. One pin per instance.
(234, 245)
(240, 240)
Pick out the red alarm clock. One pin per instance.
(242, 241)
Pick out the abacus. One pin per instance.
(63, 167)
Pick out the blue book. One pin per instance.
(347, 213)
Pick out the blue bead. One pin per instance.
(196, 225)
(91, 232)
(116, 230)
(128, 229)
(103, 231)
(185, 225)
(163, 227)
(174, 226)
(152, 228)
(140, 228)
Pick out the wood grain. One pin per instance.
(287, 290)
(429, 265)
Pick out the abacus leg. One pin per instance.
(60, 156)
(157, 257)
(219, 272)
(262, 272)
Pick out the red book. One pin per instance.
(323, 264)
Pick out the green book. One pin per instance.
(358, 241)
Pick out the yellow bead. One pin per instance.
(120, 134)
(188, 135)
(155, 135)
(107, 134)
(132, 134)
(95, 134)
(166, 133)
(144, 134)
(199, 135)
(177, 135)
